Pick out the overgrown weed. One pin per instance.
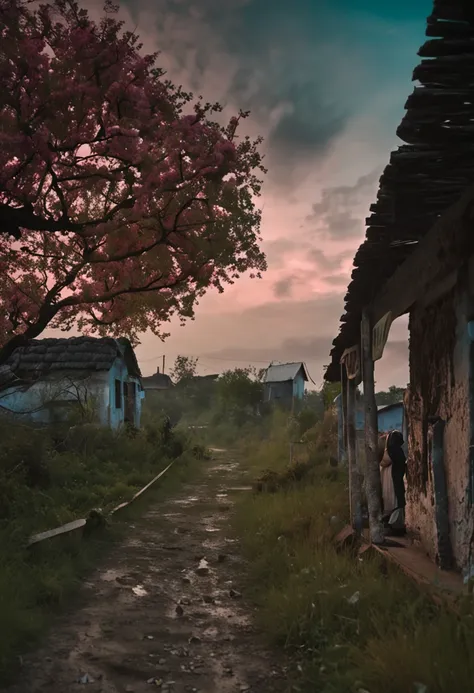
(51, 476)
(350, 624)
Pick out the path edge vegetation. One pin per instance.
(349, 624)
(51, 476)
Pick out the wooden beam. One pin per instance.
(355, 490)
(373, 484)
(344, 412)
(434, 48)
(449, 30)
(439, 253)
(445, 550)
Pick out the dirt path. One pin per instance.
(164, 612)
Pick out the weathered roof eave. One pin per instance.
(424, 177)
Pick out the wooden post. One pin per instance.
(344, 411)
(163, 363)
(355, 490)
(373, 485)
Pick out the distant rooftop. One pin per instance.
(157, 381)
(282, 372)
(387, 406)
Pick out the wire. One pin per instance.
(208, 358)
(211, 359)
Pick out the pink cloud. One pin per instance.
(313, 215)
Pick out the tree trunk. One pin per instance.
(355, 489)
(45, 315)
(373, 485)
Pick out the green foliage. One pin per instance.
(161, 403)
(52, 476)
(184, 368)
(329, 392)
(239, 392)
(311, 412)
(393, 395)
(348, 624)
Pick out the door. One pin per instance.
(129, 396)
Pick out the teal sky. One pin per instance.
(327, 59)
(326, 82)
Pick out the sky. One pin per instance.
(326, 82)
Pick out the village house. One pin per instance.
(157, 381)
(285, 382)
(418, 259)
(49, 380)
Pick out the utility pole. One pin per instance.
(163, 363)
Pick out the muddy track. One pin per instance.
(165, 611)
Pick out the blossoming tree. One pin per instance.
(121, 200)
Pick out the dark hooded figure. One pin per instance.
(392, 469)
(399, 463)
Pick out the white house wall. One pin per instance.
(29, 403)
(32, 403)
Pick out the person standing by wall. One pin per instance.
(392, 471)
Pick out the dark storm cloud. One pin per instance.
(327, 263)
(336, 212)
(283, 287)
(303, 133)
(304, 69)
(313, 349)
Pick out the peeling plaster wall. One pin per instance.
(439, 387)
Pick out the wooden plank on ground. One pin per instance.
(65, 529)
(142, 490)
(416, 565)
(346, 539)
(78, 524)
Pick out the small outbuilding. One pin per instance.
(50, 380)
(285, 382)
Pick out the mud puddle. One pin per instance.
(165, 611)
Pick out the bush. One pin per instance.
(349, 624)
(52, 476)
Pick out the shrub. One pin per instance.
(50, 476)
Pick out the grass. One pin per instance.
(350, 625)
(48, 478)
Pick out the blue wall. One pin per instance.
(113, 416)
(298, 385)
(389, 418)
(28, 404)
(285, 390)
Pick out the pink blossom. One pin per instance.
(129, 184)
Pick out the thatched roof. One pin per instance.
(42, 357)
(425, 176)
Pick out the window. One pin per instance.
(118, 394)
